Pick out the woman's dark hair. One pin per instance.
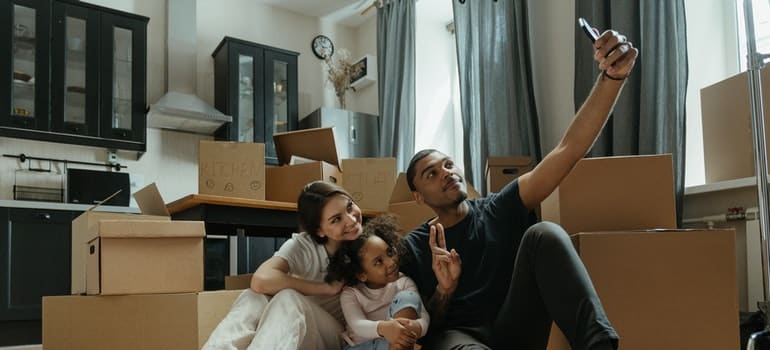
(310, 205)
(345, 264)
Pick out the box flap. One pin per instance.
(316, 144)
(401, 191)
(513, 161)
(150, 201)
(150, 229)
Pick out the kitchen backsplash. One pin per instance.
(171, 161)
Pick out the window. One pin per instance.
(716, 49)
(761, 10)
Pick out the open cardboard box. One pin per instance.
(86, 227)
(285, 182)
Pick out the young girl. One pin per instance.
(289, 306)
(381, 306)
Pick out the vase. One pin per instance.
(341, 99)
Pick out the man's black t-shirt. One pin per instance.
(486, 240)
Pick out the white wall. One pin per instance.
(365, 99)
(171, 158)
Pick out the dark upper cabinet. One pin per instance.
(24, 27)
(256, 85)
(35, 260)
(75, 87)
(123, 54)
(96, 60)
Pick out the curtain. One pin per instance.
(396, 57)
(649, 117)
(496, 94)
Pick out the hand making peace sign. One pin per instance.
(446, 264)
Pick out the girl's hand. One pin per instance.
(398, 336)
(411, 325)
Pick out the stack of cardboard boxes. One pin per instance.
(661, 288)
(142, 276)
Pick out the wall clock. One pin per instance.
(322, 47)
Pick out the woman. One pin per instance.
(289, 306)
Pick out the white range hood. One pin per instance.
(180, 109)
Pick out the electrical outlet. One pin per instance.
(112, 157)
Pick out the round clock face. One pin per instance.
(322, 47)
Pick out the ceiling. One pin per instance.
(347, 12)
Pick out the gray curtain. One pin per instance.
(649, 117)
(496, 94)
(396, 61)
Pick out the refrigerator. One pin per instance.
(356, 135)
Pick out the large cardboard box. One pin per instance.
(672, 289)
(407, 211)
(370, 181)
(727, 137)
(133, 322)
(502, 170)
(232, 169)
(136, 257)
(615, 193)
(85, 229)
(287, 181)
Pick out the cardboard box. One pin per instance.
(85, 229)
(728, 148)
(287, 181)
(232, 169)
(370, 181)
(133, 322)
(664, 290)
(615, 193)
(135, 257)
(502, 170)
(238, 281)
(408, 212)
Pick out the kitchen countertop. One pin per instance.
(10, 203)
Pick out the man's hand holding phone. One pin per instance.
(614, 53)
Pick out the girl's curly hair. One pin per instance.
(345, 264)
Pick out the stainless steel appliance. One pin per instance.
(356, 135)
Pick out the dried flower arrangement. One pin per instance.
(340, 69)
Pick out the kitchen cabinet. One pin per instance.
(96, 60)
(35, 262)
(250, 252)
(253, 251)
(256, 85)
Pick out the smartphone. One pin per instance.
(588, 29)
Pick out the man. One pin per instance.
(515, 277)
